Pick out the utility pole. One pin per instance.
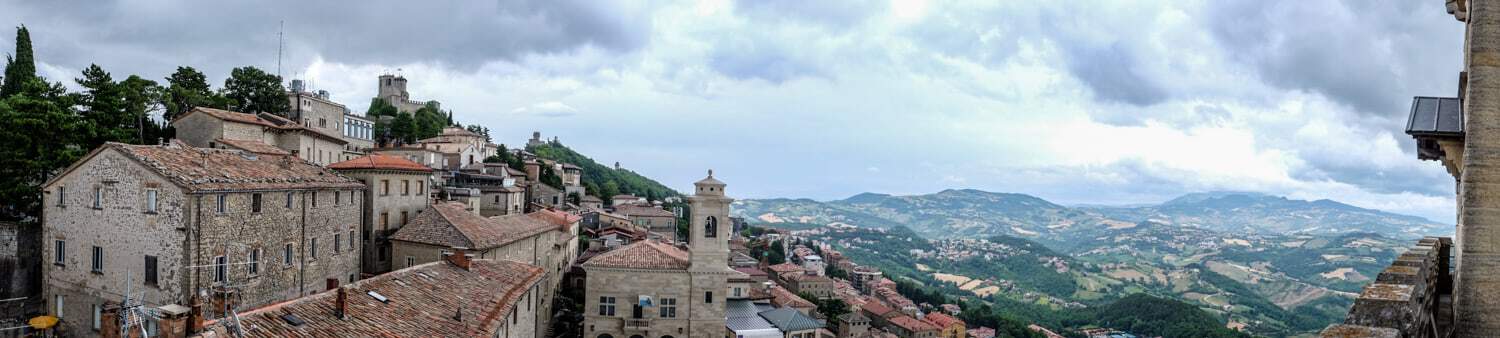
(280, 44)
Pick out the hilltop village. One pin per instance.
(308, 223)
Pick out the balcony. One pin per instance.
(637, 324)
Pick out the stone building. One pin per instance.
(818, 286)
(258, 133)
(173, 222)
(659, 221)
(852, 325)
(392, 90)
(456, 297)
(655, 289)
(546, 239)
(395, 191)
(948, 327)
(907, 327)
(460, 136)
(425, 155)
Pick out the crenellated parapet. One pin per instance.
(1412, 298)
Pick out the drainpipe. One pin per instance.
(302, 243)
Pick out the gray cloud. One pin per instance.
(1371, 55)
(1113, 74)
(152, 37)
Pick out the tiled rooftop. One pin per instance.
(942, 320)
(640, 210)
(375, 161)
(253, 146)
(648, 254)
(450, 225)
(207, 170)
(911, 324)
(421, 301)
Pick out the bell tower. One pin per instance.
(709, 230)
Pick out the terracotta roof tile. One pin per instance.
(942, 320)
(785, 268)
(422, 301)
(646, 211)
(449, 224)
(785, 298)
(253, 146)
(205, 169)
(386, 162)
(647, 254)
(912, 324)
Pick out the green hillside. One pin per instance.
(600, 180)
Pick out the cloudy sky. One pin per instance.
(1074, 101)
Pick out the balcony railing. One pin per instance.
(637, 324)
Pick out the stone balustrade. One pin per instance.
(1412, 298)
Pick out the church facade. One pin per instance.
(656, 288)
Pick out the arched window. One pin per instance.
(606, 335)
(711, 227)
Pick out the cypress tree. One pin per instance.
(20, 67)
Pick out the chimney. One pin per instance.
(109, 315)
(195, 316)
(173, 321)
(341, 304)
(459, 258)
(330, 283)
(533, 171)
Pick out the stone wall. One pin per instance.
(625, 285)
(1413, 297)
(377, 202)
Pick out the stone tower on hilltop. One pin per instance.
(392, 90)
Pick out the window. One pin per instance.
(338, 243)
(711, 227)
(255, 202)
(288, 200)
(59, 252)
(221, 269)
(315, 199)
(410, 261)
(312, 248)
(151, 270)
(405, 187)
(98, 198)
(351, 239)
(98, 312)
(254, 261)
(151, 200)
(96, 261)
(606, 306)
(403, 218)
(708, 297)
(286, 254)
(62, 195)
(385, 220)
(385, 187)
(420, 187)
(337, 198)
(669, 307)
(220, 202)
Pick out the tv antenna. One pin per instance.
(280, 44)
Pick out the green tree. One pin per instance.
(255, 91)
(142, 97)
(550, 177)
(20, 68)
(609, 189)
(429, 121)
(403, 129)
(187, 88)
(102, 107)
(39, 134)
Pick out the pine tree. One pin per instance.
(255, 91)
(187, 88)
(39, 134)
(103, 109)
(19, 67)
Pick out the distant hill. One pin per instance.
(601, 180)
(1146, 315)
(967, 212)
(1260, 213)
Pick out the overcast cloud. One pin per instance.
(1077, 102)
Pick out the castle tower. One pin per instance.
(391, 85)
(708, 239)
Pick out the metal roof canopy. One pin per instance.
(1436, 116)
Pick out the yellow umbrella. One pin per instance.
(42, 322)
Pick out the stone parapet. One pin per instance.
(1405, 299)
